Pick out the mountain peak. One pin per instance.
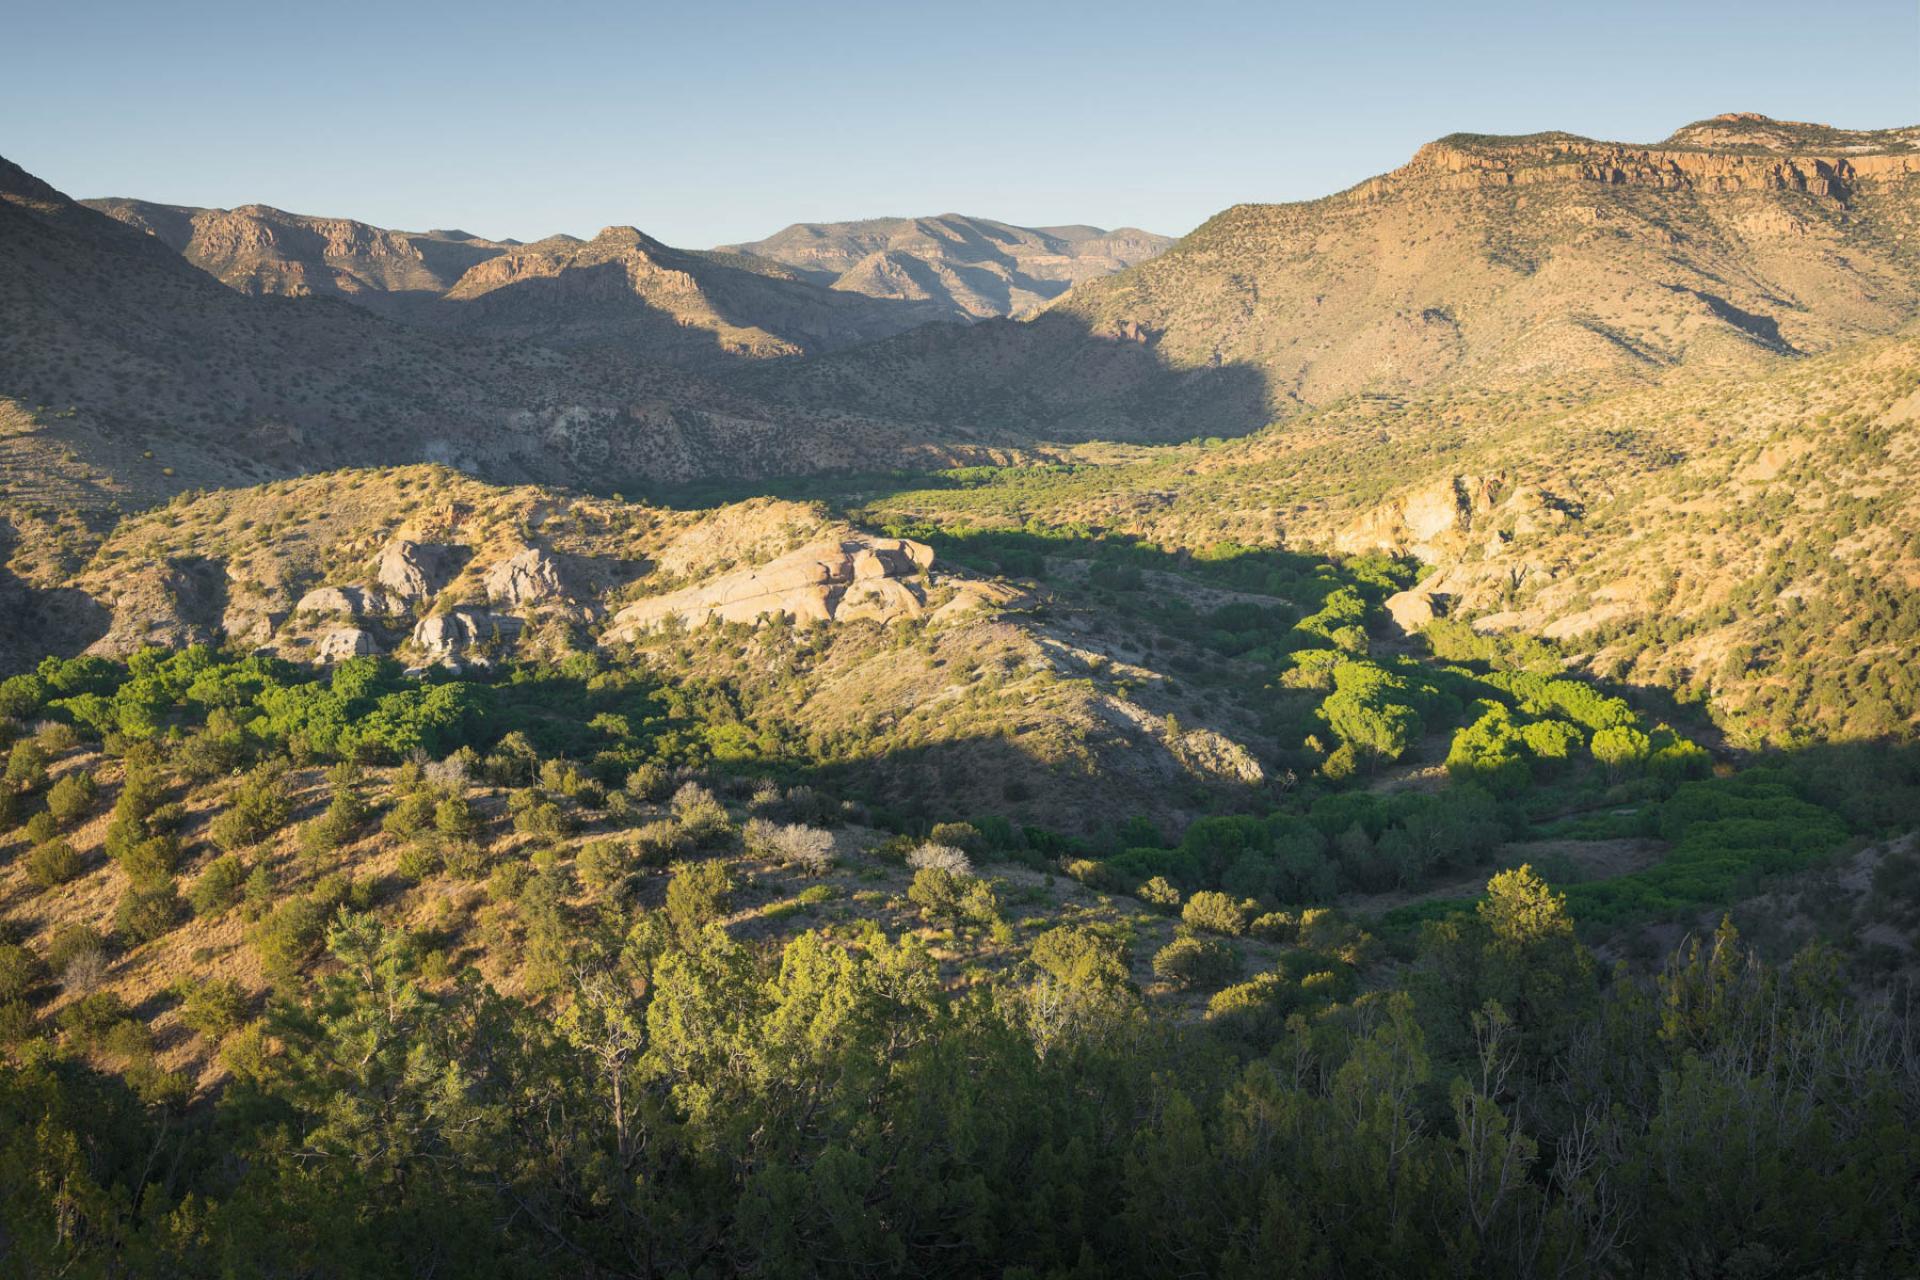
(627, 237)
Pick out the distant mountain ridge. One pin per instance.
(622, 289)
(971, 267)
(127, 375)
(1547, 259)
(693, 308)
(257, 249)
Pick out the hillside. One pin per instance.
(1746, 541)
(1382, 740)
(1484, 262)
(624, 290)
(970, 268)
(914, 671)
(621, 290)
(256, 249)
(128, 375)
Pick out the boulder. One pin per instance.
(530, 576)
(880, 600)
(342, 643)
(468, 633)
(349, 602)
(415, 571)
(836, 580)
(1413, 610)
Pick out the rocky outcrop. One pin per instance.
(840, 580)
(1216, 758)
(349, 602)
(960, 267)
(415, 571)
(1413, 610)
(1440, 519)
(529, 577)
(342, 643)
(1737, 152)
(465, 636)
(1425, 521)
(257, 249)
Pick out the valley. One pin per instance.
(1369, 738)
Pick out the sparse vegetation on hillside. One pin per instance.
(1456, 814)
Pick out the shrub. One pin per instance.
(456, 818)
(17, 1022)
(792, 844)
(78, 954)
(1276, 926)
(604, 866)
(648, 782)
(963, 836)
(20, 971)
(695, 896)
(91, 1017)
(421, 859)
(941, 857)
(261, 893)
(1215, 913)
(1196, 963)
(289, 938)
(507, 880)
(656, 843)
(213, 1007)
(342, 819)
(259, 808)
(703, 821)
(52, 862)
(538, 816)
(151, 861)
(147, 911)
(56, 737)
(412, 815)
(218, 887)
(27, 765)
(937, 892)
(72, 798)
(1159, 893)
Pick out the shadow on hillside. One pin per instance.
(595, 307)
(1051, 378)
(38, 621)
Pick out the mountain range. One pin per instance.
(1485, 261)
(1516, 308)
(1379, 738)
(971, 268)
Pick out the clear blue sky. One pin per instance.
(709, 122)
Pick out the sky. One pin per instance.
(709, 123)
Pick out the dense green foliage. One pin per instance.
(707, 1108)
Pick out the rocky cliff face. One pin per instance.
(838, 579)
(1739, 152)
(1497, 263)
